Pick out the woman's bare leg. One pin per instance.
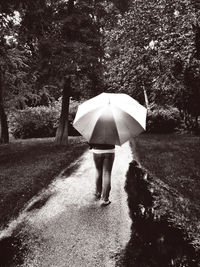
(107, 169)
(98, 162)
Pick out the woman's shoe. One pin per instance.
(97, 196)
(105, 202)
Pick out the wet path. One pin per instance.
(64, 226)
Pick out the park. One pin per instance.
(54, 56)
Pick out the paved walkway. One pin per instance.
(71, 229)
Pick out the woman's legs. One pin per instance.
(107, 169)
(98, 162)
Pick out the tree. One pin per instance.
(150, 48)
(64, 44)
(82, 24)
(71, 51)
(64, 38)
(12, 69)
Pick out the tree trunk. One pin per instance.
(62, 130)
(196, 123)
(146, 98)
(4, 136)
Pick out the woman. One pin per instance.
(103, 155)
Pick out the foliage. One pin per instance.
(34, 122)
(16, 77)
(15, 61)
(40, 121)
(33, 99)
(65, 40)
(120, 46)
(151, 48)
(163, 119)
(73, 109)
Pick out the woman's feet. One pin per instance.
(104, 202)
(97, 196)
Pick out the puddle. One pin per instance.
(154, 242)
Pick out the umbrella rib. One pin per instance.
(85, 126)
(127, 125)
(127, 114)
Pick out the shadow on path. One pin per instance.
(12, 250)
(154, 242)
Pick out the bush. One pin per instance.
(163, 119)
(72, 113)
(73, 109)
(34, 122)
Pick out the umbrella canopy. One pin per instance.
(110, 119)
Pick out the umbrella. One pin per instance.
(110, 119)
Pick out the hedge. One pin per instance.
(34, 122)
(163, 119)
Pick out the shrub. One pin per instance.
(72, 107)
(34, 122)
(163, 119)
(40, 121)
(72, 113)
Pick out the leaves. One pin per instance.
(151, 46)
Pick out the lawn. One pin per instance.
(28, 166)
(173, 162)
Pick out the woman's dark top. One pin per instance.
(101, 146)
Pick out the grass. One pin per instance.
(27, 166)
(175, 160)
